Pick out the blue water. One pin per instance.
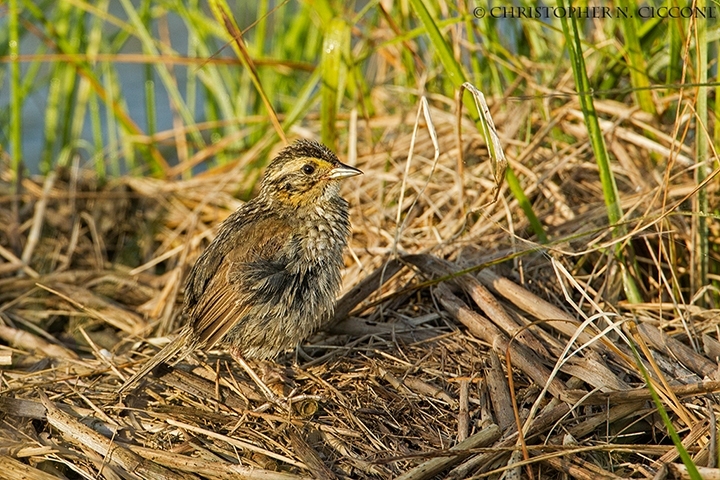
(131, 78)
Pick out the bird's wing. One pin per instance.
(224, 298)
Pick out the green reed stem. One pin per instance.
(16, 99)
(607, 180)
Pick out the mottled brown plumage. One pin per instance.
(271, 275)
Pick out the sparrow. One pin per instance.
(271, 275)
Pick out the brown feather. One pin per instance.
(221, 307)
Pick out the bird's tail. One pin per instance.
(172, 348)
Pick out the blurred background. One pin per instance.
(119, 82)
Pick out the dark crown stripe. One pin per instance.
(306, 148)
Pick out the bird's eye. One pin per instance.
(308, 169)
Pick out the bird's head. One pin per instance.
(304, 173)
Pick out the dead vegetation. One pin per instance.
(411, 379)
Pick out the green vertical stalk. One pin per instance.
(716, 104)
(525, 205)
(636, 61)
(336, 46)
(96, 128)
(16, 98)
(701, 242)
(84, 87)
(687, 460)
(60, 86)
(95, 44)
(675, 40)
(474, 60)
(146, 20)
(191, 84)
(114, 143)
(74, 30)
(261, 28)
(597, 141)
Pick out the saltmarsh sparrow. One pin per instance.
(271, 275)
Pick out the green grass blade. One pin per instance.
(150, 100)
(84, 88)
(675, 42)
(114, 143)
(524, 203)
(453, 70)
(304, 99)
(610, 192)
(221, 11)
(597, 141)
(95, 44)
(60, 88)
(636, 61)
(97, 136)
(336, 48)
(261, 28)
(672, 433)
(16, 98)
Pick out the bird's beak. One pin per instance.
(343, 171)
